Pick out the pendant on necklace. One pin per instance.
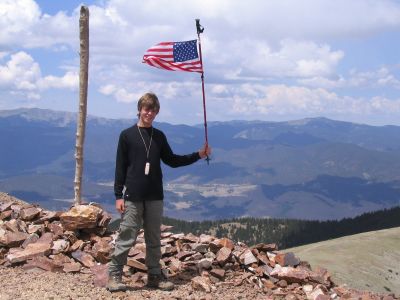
(147, 168)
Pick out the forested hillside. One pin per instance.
(289, 232)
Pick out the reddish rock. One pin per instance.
(318, 293)
(46, 238)
(78, 245)
(183, 254)
(60, 246)
(264, 270)
(84, 258)
(32, 250)
(70, 236)
(271, 257)
(268, 283)
(35, 228)
(205, 238)
(248, 257)
(201, 283)
(175, 265)
(219, 273)
(204, 264)
(282, 283)
(202, 248)
(266, 247)
(56, 229)
(133, 251)
(224, 242)
(167, 241)
(44, 263)
(140, 257)
(191, 238)
(141, 247)
(81, 217)
(290, 274)
(61, 258)
(286, 259)
(30, 213)
(72, 267)
(48, 216)
(13, 239)
(101, 251)
(168, 250)
(320, 275)
(178, 236)
(136, 264)
(5, 215)
(215, 246)
(5, 206)
(33, 238)
(223, 255)
(263, 258)
(13, 225)
(104, 220)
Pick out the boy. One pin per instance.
(141, 148)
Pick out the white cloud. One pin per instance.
(119, 93)
(250, 58)
(16, 16)
(254, 52)
(379, 78)
(23, 24)
(130, 93)
(259, 100)
(70, 80)
(21, 75)
(20, 72)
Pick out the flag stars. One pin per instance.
(184, 51)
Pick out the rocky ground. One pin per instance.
(17, 283)
(64, 255)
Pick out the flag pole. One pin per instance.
(200, 29)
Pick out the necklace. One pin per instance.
(147, 165)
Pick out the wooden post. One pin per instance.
(83, 86)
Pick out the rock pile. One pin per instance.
(78, 241)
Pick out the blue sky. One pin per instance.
(263, 60)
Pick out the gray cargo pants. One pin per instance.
(148, 213)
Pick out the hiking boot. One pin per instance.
(159, 282)
(115, 284)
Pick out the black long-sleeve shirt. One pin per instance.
(131, 160)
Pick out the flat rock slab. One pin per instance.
(32, 250)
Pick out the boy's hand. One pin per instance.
(205, 151)
(120, 205)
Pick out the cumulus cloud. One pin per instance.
(119, 93)
(20, 72)
(21, 75)
(23, 24)
(295, 100)
(379, 78)
(261, 57)
(302, 59)
(70, 80)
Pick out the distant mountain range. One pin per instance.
(313, 168)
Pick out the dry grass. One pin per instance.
(367, 261)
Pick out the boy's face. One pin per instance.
(147, 116)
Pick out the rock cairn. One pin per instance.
(78, 241)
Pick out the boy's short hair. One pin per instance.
(149, 101)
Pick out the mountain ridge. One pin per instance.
(289, 158)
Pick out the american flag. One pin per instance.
(174, 56)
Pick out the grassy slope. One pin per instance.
(367, 261)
